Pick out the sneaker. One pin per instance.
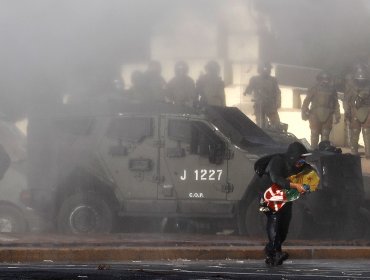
(269, 260)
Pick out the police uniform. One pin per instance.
(324, 105)
(267, 99)
(359, 103)
(358, 100)
(153, 83)
(181, 88)
(210, 89)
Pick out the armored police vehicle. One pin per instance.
(15, 216)
(97, 161)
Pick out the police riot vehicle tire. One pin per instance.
(83, 213)
(11, 220)
(297, 222)
(252, 222)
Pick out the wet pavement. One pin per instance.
(185, 269)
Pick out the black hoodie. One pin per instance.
(282, 166)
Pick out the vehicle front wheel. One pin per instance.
(12, 220)
(252, 222)
(84, 213)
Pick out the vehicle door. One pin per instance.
(194, 167)
(130, 148)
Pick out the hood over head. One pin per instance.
(294, 152)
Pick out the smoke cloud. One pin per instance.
(53, 47)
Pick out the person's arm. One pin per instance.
(347, 103)
(199, 92)
(222, 93)
(276, 172)
(306, 103)
(251, 86)
(192, 92)
(336, 107)
(277, 93)
(168, 92)
(298, 187)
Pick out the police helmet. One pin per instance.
(181, 68)
(264, 68)
(119, 84)
(323, 77)
(361, 73)
(212, 67)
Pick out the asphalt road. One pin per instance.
(183, 269)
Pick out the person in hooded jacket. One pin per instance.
(279, 168)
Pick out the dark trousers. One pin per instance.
(277, 228)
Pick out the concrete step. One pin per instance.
(137, 247)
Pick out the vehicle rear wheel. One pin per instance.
(12, 220)
(252, 222)
(84, 213)
(297, 221)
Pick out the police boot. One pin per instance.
(314, 139)
(325, 134)
(366, 135)
(354, 140)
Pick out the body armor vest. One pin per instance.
(361, 97)
(323, 103)
(265, 89)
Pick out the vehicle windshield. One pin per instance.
(239, 128)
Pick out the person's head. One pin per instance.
(119, 84)
(264, 69)
(361, 75)
(181, 68)
(324, 78)
(212, 68)
(295, 154)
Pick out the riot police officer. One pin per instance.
(319, 107)
(358, 99)
(210, 89)
(153, 82)
(181, 88)
(118, 86)
(266, 96)
(137, 88)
